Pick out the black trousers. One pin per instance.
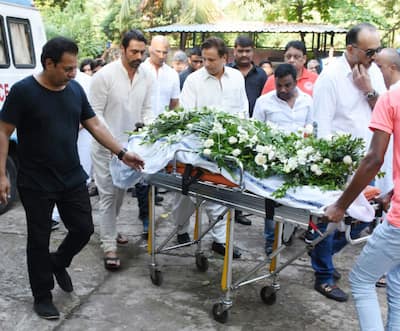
(76, 214)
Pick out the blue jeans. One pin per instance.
(142, 195)
(269, 231)
(321, 255)
(380, 255)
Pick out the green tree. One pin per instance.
(74, 21)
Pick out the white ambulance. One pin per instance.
(22, 37)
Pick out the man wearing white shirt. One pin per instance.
(223, 88)
(166, 79)
(388, 61)
(344, 96)
(290, 109)
(121, 97)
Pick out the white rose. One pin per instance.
(232, 140)
(208, 143)
(309, 129)
(260, 149)
(271, 155)
(327, 161)
(236, 152)
(207, 152)
(318, 172)
(260, 159)
(292, 163)
(347, 159)
(314, 168)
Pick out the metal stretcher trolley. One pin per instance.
(232, 197)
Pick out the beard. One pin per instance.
(135, 64)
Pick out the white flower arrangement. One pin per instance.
(264, 150)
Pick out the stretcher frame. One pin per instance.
(233, 198)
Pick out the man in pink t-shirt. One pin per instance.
(381, 253)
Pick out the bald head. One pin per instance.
(158, 50)
(388, 60)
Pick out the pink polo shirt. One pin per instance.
(386, 117)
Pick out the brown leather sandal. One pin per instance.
(111, 263)
(121, 239)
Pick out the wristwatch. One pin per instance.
(371, 95)
(121, 154)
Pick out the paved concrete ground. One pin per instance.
(127, 299)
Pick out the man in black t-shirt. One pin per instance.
(46, 109)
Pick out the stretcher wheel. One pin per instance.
(220, 313)
(201, 262)
(268, 295)
(156, 277)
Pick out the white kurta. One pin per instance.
(120, 103)
(226, 94)
(166, 86)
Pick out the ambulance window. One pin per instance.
(4, 58)
(21, 42)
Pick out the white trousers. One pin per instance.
(111, 197)
(184, 207)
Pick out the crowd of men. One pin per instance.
(356, 93)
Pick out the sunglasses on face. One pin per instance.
(369, 52)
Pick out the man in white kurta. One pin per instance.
(344, 96)
(121, 97)
(166, 80)
(223, 88)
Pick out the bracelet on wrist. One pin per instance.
(121, 154)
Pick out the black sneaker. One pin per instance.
(220, 249)
(46, 309)
(63, 280)
(309, 236)
(183, 238)
(158, 199)
(54, 225)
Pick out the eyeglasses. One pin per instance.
(297, 57)
(369, 52)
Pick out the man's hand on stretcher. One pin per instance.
(335, 213)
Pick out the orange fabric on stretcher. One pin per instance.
(206, 177)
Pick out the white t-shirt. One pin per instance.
(226, 94)
(166, 86)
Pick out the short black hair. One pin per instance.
(217, 43)
(133, 34)
(352, 34)
(264, 62)
(244, 41)
(285, 69)
(296, 44)
(194, 51)
(86, 62)
(56, 47)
